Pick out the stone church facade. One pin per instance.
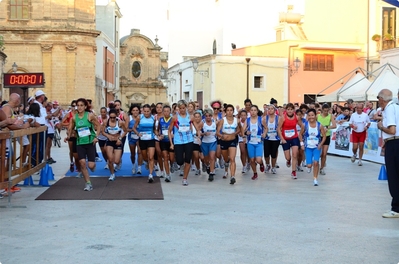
(56, 37)
(140, 63)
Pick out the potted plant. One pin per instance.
(376, 37)
(388, 37)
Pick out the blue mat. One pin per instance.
(125, 171)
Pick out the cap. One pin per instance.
(55, 103)
(39, 93)
(30, 99)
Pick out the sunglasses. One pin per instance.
(112, 117)
(73, 105)
(216, 108)
(378, 97)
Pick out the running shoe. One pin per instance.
(247, 167)
(162, 175)
(391, 214)
(150, 179)
(353, 159)
(274, 171)
(193, 168)
(88, 187)
(211, 176)
(139, 170)
(106, 167)
(288, 163)
(360, 163)
(98, 159)
(225, 175)
(168, 178)
(303, 164)
(13, 189)
(198, 172)
(315, 182)
(243, 170)
(180, 173)
(208, 169)
(293, 175)
(277, 166)
(232, 180)
(222, 164)
(298, 168)
(156, 168)
(119, 166)
(262, 168)
(322, 172)
(184, 182)
(309, 170)
(112, 177)
(203, 167)
(268, 168)
(255, 176)
(115, 167)
(71, 167)
(80, 175)
(172, 169)
(133, 170)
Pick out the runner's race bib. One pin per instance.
(84, 132)
(289, 133)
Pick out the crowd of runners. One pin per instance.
(179, 138)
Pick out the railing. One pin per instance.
(13, 168)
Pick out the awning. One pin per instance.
(392, 2)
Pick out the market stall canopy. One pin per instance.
(392, 2)
(355, 88)
(386, 80)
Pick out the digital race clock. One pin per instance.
(23, 80)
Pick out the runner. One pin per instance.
(217, 116)
(242, 142)
(359, 123)
(144, 127)
(272, 139)
(168, 155)
(158, 152)
(102, 119)
(314, 137)
(327, 120)
(134, 112)
(227, 130)
(123, 117)
(85, 124)
(71, 139)
(113, 130)
(183, 139)
(255, 133)
(290, 139)
(197, 152)
(301, 151)
(209, 143)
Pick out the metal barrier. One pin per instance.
(13, 168)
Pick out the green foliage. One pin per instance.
(376, 37)
(1, 43)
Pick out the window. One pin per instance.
(259, 82)
(319, 62)
(214, 51)
(19, 9)
(389, 21)
(136, 69)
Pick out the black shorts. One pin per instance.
(225, 145)
(113, 144)
(270, 148)
(165, 146)
(73, 140)
(101, 143)
(49, 135)
(145, 144)
(87, 150)
(184, 153)
(327, 142)
(197, 148)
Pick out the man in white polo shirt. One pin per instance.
(359, 122)
(390, 135)
(39, 99)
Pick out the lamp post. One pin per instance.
(248, 60)
(14, 67)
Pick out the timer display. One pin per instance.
(23, 80)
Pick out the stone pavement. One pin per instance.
(271, 220)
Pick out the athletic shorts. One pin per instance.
(291, 143)
(113, 144)
(312, 154)
(225, 145)
(358, 137)
(270, 148)
(87, 150)
(48, 135)
(101, 143)
(73, 140)
(255, 150)
(208, 147)
(145, 144)
(184, 153)
(165, 146)
(327, 142)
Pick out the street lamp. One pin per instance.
(297, 64)
(14, 67)
(248, 60)
(195, 67)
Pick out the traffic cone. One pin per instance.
(50, 173)
(383, 174)
(44, 176)
(29, 181)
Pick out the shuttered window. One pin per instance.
(319, 62)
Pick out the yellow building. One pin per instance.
(55, 37)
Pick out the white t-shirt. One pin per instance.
(361, 121)
(390, 118)
(43, 113)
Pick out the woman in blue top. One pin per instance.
(255, 134)
(314, 137)
(133, 138)
(181, 131)
(144, 127)
(168, 154)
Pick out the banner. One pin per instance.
(341, 143)
(392, 2)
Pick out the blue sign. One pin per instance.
(392, 2)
